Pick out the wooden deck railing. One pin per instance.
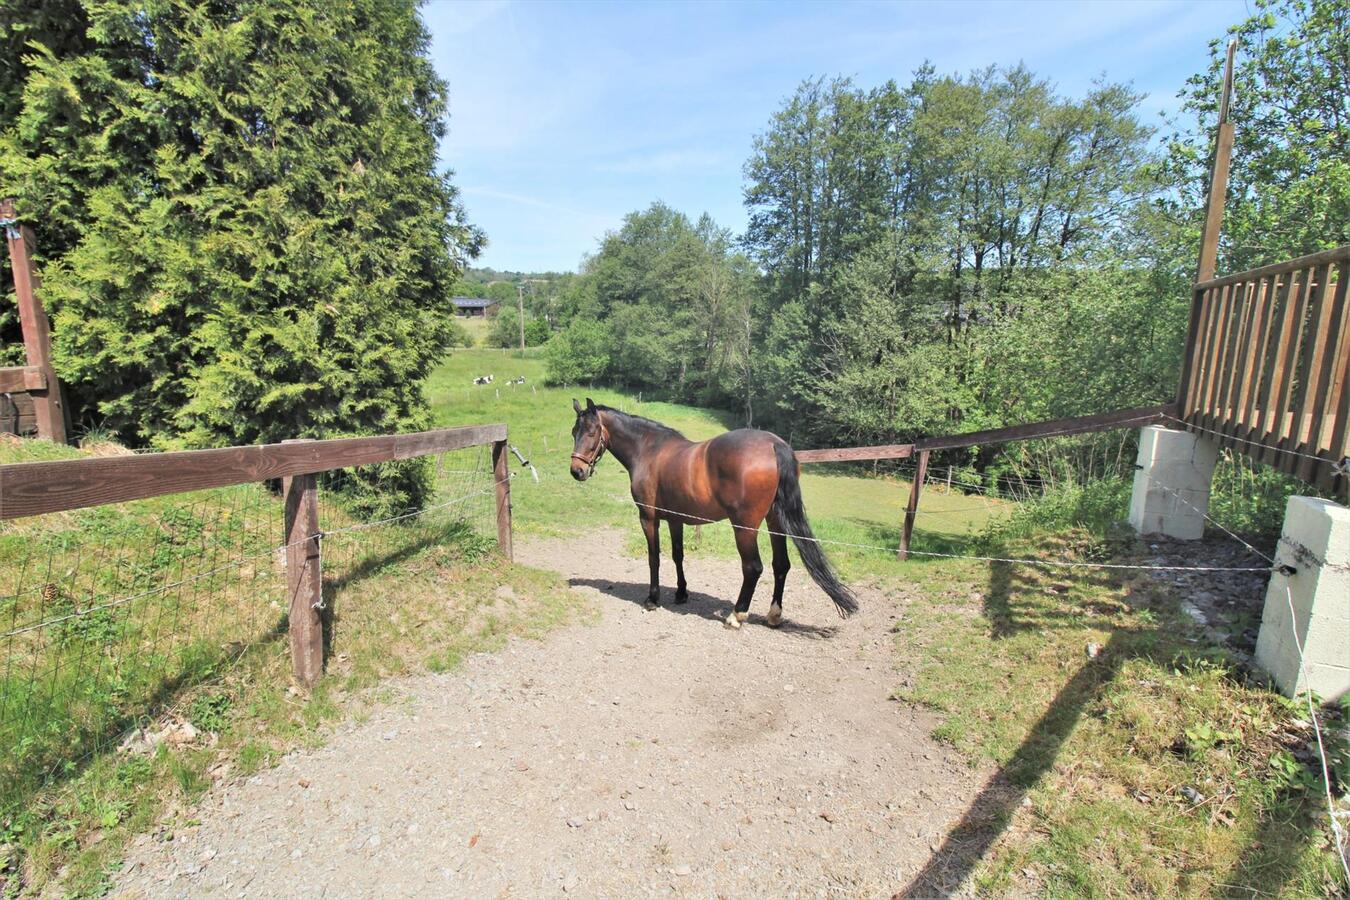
(1265, 365)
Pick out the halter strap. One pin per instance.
(604, 445)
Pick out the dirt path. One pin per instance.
(649, 753)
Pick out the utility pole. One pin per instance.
(520, 308)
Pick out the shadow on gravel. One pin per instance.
(705, 606)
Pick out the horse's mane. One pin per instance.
(643, 421)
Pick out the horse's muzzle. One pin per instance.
(580, 472)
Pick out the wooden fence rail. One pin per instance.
(36, 488)
(1266, 363)
(1139, 415)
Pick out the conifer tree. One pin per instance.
(245, 235)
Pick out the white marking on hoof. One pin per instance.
(775, 616)
(734, 619)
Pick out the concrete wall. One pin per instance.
(1171, 486)
(1316, 542)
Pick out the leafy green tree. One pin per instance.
(505, 330)
(1289, 185)
(895, 218)
(579, 353)
(246, 235)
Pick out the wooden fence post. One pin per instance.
(503, 479)
(51, 414)
(912, 508)
(304, 576)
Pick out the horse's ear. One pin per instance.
(576, 405)
(590, 404)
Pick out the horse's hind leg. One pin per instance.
(677, 554)
(781, 565)
(747, 544)
(651, 528)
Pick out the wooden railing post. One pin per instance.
(503, 479)
(49, 411)
(912, 508)
(1218, 175)
(304, 576)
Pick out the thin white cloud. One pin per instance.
(523, 200)
(665, 162)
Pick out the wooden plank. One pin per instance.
(1139, 415)
(14, 379)
(1292, 336)
(1212, 417)
(1276, 302)
(30, 489)
(912, 507)
(16, 416)
(1311, 261)
(1277, 369)
(847, 454)
(304, 576)
(1205, 398)
(1325, 320)
(1218, 190)
(1338, 400)
(52, 417)
(1239, 369)
(1204, 347)
(1192, 371)
(503, 480)
(1218, 175)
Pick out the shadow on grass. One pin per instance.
(991, 811)
(1271, 859)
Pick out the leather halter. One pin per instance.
(591, 463)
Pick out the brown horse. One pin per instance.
(744, 475)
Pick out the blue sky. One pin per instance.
(566, 116)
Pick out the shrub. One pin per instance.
(579, 353)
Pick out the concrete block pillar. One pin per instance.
(1171, 486)
(1316, 543)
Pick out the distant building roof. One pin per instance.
(472, 302)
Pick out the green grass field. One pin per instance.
(842, 507)
(477, 327)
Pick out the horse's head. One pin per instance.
(589, 440)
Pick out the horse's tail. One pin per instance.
(792, 518)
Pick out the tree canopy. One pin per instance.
(244, 233)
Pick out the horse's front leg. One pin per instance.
(651, 527)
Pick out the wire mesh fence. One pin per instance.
(107, 613)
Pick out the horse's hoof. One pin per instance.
(775, 616)
(682, 597)
(735, 619)
(650, 605)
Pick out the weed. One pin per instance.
(209, 712)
